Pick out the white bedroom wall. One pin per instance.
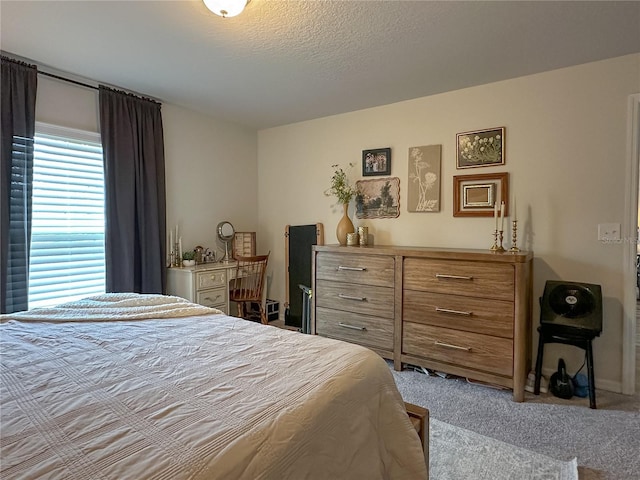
(565, 153)
(211, 175)
(210, 165)
(67, 105)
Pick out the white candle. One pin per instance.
(502, 217)
(177, 232)
(171, 241)
(515, 214)
(495, 213)
(180, 248)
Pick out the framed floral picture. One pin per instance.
(480, 148)
(423, 190)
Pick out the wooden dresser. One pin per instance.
(464, 312)
(354, 298)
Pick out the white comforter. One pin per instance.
(205, 397)
(113, 307)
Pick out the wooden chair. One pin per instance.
(419, 417)
(247, 285)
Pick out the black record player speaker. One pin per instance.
(572, 307)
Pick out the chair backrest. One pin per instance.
(249, 281)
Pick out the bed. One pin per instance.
(126, 386)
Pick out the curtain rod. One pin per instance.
(15, 58)
(11, 57)
(93, 87)
(64, 79)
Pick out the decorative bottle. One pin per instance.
(345, 225)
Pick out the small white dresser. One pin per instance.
(206, 284)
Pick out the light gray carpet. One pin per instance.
(456, 453)
(605, 441)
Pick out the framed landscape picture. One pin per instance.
(480, 148)
(379, 198)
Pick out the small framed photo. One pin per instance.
(481, 195)
(476, 195)
(481, 148)
(376, 162)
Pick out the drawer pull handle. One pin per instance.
(352, 269)
(351, 297)
(455, 347)
(453, 277)
(454, 312)
(352, 327)
(214, 300)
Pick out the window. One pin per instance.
(67, 259)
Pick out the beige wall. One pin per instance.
(211, 171)
(565, 153)
(211, 174)
(66, 105)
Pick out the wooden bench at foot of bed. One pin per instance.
(419, 417)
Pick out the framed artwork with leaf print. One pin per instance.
(480, 148)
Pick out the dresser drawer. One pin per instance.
(475, 279)
(471, 350)
(354, 268)
(365, 299)
(213, 297)
(211, 279)
(352, 327)
(480, 315)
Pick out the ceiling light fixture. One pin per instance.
(226, 8)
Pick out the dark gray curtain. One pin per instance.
(18, 86)
(133, 146)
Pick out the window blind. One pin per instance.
(67, 260)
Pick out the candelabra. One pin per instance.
(174, 256)
(497, 235)
(514, 237)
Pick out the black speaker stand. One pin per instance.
(578, 337)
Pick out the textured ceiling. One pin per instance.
(281, 62)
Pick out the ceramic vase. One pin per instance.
(345, 225)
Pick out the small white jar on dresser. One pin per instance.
(206, 284)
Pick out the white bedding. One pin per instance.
(204, 397)
(114, 307)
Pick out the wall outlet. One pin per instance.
(608, 232)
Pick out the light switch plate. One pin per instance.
(608, 232)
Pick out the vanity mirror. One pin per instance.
(226, 233)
